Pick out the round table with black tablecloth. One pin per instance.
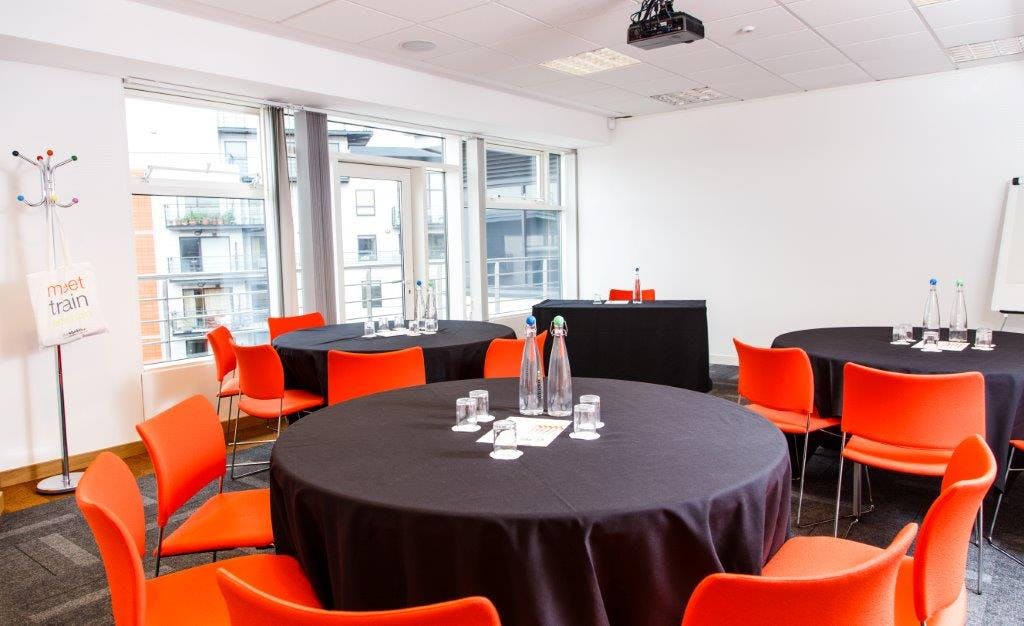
(386, 507)
(1003, 368)
(455, 352)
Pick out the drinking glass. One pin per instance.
(429, 327)
(584, 424)
(483, 405)
(597, 299)
(379, 325)
(983, 339)
(368, 329)
(505, 447)
(908, 332)
(931, 342)
(465, 416)
(897, 334)
(594, 401)
(413, 327)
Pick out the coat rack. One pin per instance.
(67, 480)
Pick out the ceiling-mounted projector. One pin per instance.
(657, 24)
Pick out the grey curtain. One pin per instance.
(315, 217)
(285, 220)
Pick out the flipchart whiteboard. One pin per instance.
(1008, 290)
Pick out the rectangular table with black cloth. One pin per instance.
(663, 342)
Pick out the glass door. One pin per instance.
(373, 214)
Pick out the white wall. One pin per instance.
(83, 114)
(818, 209)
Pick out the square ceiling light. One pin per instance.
(690, 96)
(987, 49)
(591, 62)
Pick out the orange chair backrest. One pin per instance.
(260, 373)
(778, 378)
(253, 607)
(940, 558)
(186, 445)
(281, 325)
(222, 345)
(351, 374)
(862, 595)
(112, 505)
(505, 357)
(935, 411)
(627, 294)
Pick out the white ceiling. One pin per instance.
(797, 45)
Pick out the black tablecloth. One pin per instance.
(831, 348)
(455, 352)
(663, 342)
(386, 507)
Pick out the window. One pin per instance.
(512, 173)
(523, 234)
(237, 153)
(366, 247)
(369, 140)
(365, 202)
(437, 238)
(373, 297)
(195, 347)
(199, 221)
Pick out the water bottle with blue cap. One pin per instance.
(932, 320)
(531, 383)
(559, 377)
(417, 313)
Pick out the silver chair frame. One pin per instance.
(999, 503)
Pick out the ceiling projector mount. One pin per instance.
(657, 24)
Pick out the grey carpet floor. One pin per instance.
(51, 572)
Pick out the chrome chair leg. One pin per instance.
(839, 488)
(995, 514)
(981, 512)
(803, 477)
(234, 450)
(159, 550)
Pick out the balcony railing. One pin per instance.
(183, 320)
(186, 212)
(213, 167)
(215, 264)
(516, 283)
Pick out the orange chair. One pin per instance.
(908, 423)
(779, 385)
(352, 375)
(222, 345)
(1015, 445)
(261, 381)
(111, 503)
(627, 294)
(505, 356)
(800, 586)
(250, 606)
(930, 588)
(281, 325)
(186, 445)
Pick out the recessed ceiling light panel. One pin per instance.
(590, 62)
(987, 49)
(690, 96)
(418, 45)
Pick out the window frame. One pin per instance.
(361, 208)
(261, 188)
(565, 206)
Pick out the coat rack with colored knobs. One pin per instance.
(67, 480)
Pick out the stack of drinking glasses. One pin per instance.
(983, 339)
(586, 418)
